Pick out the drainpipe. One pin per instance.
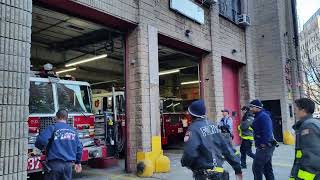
(296, 43)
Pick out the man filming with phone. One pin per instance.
(63, 149)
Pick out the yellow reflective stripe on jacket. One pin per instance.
(216, 169)
(239, 128)
(250, 128)
(247, 137)
(298, 154)
(305, 175)
(291, 178)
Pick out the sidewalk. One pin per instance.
(282, 162)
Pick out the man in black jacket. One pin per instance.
(307, 158)
(205, 148)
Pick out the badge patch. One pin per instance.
(187, 136)
(305, 132)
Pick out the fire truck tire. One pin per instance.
(145, 168)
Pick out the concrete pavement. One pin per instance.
(282, 162)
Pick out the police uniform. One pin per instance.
(65, 149)
(205, 148)
(246, 134)
(307, 152)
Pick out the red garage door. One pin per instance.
(230, 76)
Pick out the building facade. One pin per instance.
(310, 56)
(238, 61)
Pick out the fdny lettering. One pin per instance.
(209, 130)
(65, 134)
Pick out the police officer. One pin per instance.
(225, 124)
(246, 134)
(264, 141)
(307, 158)
(63, 148)
(205, 148)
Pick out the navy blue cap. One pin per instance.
(256, 103)
(197, 109)
(225, 110)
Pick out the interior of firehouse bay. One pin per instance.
(80, 66)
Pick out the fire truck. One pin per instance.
(47, 95)
(174, 119)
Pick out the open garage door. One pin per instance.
(179, 86)
(86, 78)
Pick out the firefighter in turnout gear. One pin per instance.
(246, 134)
(205, 148)
(307, 152)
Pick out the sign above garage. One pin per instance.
(188, 8)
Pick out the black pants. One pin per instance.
(222, 176)
(60, 170)
(246, 149)
(262, 164)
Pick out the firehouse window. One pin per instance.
(41, 98)
(74, 98)
(230, 9)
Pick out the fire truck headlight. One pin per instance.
(94, 154)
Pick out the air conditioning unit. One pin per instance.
(244, 20)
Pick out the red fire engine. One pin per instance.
(47, 95)
(174, 119)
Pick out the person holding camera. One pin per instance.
(246, 134)
(63, 149)
(264, 141)
(225, 125)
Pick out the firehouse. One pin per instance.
(127, 70)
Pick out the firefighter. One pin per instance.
(264, 141)
(246, 134)
(205, 148)
(63, 148)
(307, 158)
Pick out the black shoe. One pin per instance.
(244, 166)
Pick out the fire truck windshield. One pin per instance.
(41, 98)
(74, 98)
(172, 106)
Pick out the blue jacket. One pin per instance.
(65, 146)
(262, 128)
(206, 148)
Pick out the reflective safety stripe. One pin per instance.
(217, 169)
(298, 154)
(305, 175)
(250, 128)
(237, 152)
(247, 137)
(291, 178)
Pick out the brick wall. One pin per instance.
(124, 9)
(232, 37)
(15, 38)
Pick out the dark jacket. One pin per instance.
(245, 129)
(205, 147)
(307, 157)
(65, 145)
(263, 130)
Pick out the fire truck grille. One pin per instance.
(47, 121)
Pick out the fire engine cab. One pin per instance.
(174, 119)
(49, 93)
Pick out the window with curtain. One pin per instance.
(230, 9)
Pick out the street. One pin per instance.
(282, 161)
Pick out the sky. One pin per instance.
(306, 8)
